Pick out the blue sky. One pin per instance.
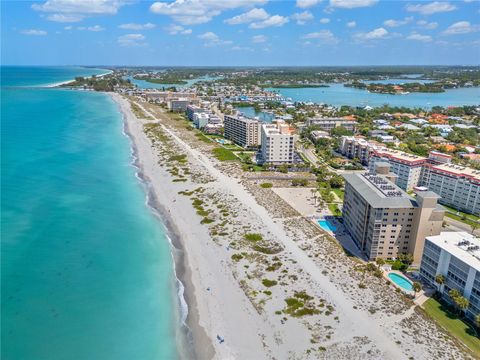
(240, 32)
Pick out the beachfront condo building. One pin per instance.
(407, 167)
(456, 256)
(328, 124)
(200, 120)
(242, 131)
(277, 143)
(383, 220)
(178, 105)
(192, 109)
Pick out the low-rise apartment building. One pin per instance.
(407, 167)
(200, 120)
(356, 148)
(458, 186)
(456, 256)
(383, 220)
(328, 124)
(277, 143)
(242, 131)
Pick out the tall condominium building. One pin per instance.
(458, 186)
(192, 109)
(456, 256)
(178, 105)
(328, 124)
(200, 120)
(407, 167)
(277, 144)
(383, 220)
(242, 130)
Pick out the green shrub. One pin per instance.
(266, 185)
(253, 237)
(269, 283)
(237, 257)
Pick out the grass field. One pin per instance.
(456, 327)
(223, 154)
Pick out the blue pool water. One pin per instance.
(325, 225)
(401, 281)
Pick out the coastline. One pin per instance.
(189, 322)
(234, 296)
(60, 83)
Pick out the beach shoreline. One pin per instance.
(190, 328)
(66, 82)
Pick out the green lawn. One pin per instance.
(339, 192)
(334, 209)
(461, 213)
(459, 218)
(223, 154)
(453, 325)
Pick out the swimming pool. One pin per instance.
(401, 281)
(325, 225)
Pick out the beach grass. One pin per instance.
(456, 327)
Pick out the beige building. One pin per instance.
(277, 143)
(242, 130)
(383, 220)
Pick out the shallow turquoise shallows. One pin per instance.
(401, 281)
(86, 267)
(325, 225)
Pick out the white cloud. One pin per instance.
(241, 48)
(350, 4)
(259, 39)
(134, 26)
(34, 32)
(77, 10)
(69, 27)
(95, 28)
(378, 33)
(65, 18)
(427, 25)
(351, 24)
(252, 15)
(131, 40)
(175, 29)
(419, 37)
(461, 27)
(431, 8)
(212, 39)
(322, 36)
(324, 20)
(396, 23)
(303, 17)
(192, 12)
(304, 4)
(274, 20)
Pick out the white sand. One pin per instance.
(235, 307)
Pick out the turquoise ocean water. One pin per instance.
(86, 267)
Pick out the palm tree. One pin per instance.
(416, 287)
(462, 303)
(474, 225)
(440, 280)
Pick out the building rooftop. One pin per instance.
(458, 170)
(462, 245)
(400, 155)
(242, 118)
(379, 192)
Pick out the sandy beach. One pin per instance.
(57, 84)
(261, 281)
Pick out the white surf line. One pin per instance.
(359, 320)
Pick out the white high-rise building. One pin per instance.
(277, 144)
